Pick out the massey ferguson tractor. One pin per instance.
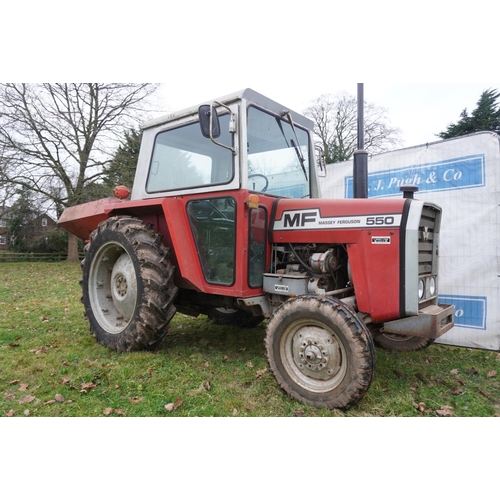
(225, 219)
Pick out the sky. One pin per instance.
(418, 110)
(290, 52)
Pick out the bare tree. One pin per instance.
(56, 138)
(336, 125)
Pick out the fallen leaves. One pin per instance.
(58, 398)
(421, 407)
(173, 406)
(42, 350)
(109, 411)
(204, 386)
(86, 386)
(26, 399)
(444, 411)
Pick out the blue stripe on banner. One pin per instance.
(458, 173)
(470, 312)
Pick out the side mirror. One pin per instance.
(209, 121)
(320, 159)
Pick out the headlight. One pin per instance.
(432, 286)
(421, 289)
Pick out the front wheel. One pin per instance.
(395, 342)
(127, 285)
(234, 317)
(320, 352)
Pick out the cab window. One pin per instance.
(182, 158)
(278, 156)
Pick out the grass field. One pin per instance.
(51, 366)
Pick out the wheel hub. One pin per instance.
(123, 291)
(316, 353)
(113, 287)
(313, 354)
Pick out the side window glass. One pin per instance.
(183, 158)
(214, 231)
(257, 246)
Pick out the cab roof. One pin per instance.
(248, 95)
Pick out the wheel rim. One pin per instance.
(112, 287)
(394, 337)
(223, 310)
(313, 356)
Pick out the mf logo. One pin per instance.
(299, 219)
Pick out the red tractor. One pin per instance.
(225, 219)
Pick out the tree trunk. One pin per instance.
(72, 248)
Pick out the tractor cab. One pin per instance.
(242, 141)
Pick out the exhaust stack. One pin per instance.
(360, 173)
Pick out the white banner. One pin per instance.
(462, 176)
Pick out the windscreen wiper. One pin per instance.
(296, 146)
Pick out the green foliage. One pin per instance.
(121, 170)
(486, 117)
(21, 222)
(53, 241)
(335, 154)
(51, 366)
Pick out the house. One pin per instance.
(41, 225)
(3, 230)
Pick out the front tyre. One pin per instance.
(127, 285)
(395, 342)
(320, 352)
(234, 317)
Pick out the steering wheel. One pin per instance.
(263, 190)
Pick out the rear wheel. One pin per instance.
(127, 285)
(320, 352)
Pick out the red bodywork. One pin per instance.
(376, 268)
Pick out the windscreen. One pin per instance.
(278, 156)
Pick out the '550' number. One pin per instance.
(380, 221)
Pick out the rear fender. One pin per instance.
(81, 220)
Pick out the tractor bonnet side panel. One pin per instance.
(370, 232)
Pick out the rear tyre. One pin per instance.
(320, 352)
(127, 285)
(234, 317)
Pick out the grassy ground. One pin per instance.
(51, 366)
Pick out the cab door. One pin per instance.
(213, 225)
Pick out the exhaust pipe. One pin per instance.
(360, 173)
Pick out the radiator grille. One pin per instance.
(428, 236)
